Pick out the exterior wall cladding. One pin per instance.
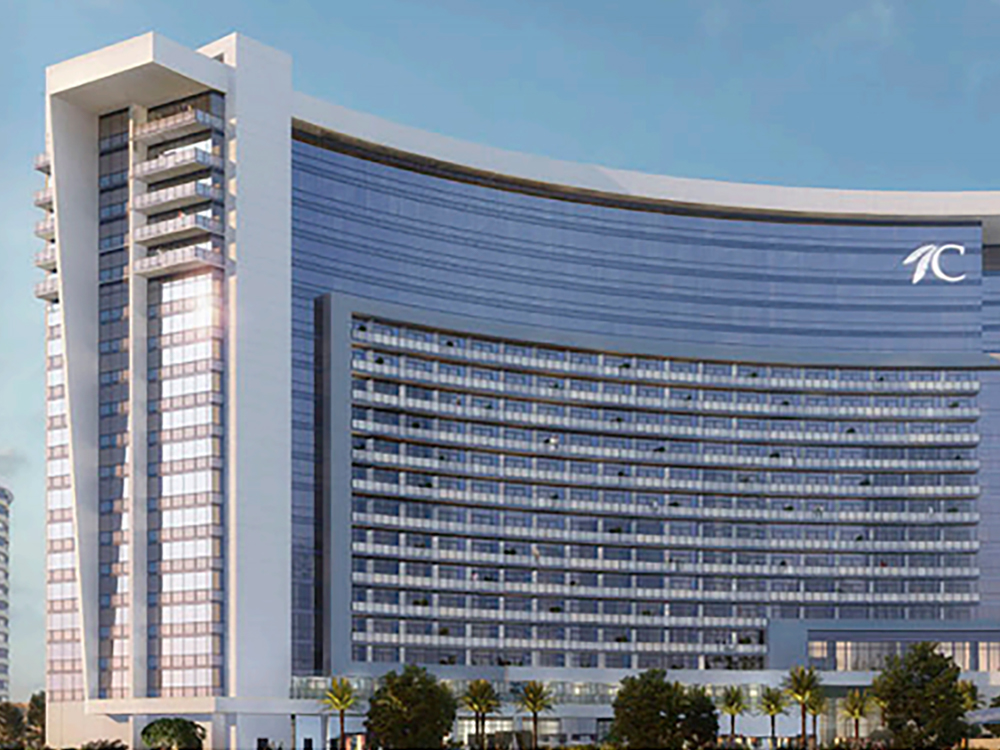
(593, 437)
(539, 420)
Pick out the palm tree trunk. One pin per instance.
(774, 733)
(343, 739)
(732, 728)
(815, 731)
(805, 743)
(857, 731)
(534, 730)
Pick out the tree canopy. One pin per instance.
(173, 733)
(651, 712)
(922, 702)
(11, 724)
(411, 710)
(34, 719)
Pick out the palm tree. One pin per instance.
(800, 684)
(534, 698)
(881, 705)
(481, 699)
(733, 704)
(340, 697)
(773, 703)
(816, 706)
(856, 706)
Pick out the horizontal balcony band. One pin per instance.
(176, 164)
(43, 198)
(425, 587)
(177, 196)
(662, 430)
(661, 511)
(179, 125)
(174, 230)
(546, 448)
(588, 565)
(43, 163)
(46, 257)
(180, 260)
(575, 397)
(666, 540)
(656, 484)
(48, 289)
(46, 228)
(636, 373)
(542, 644)
(454, 613)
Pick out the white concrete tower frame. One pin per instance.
(256, 83)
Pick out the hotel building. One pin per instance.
(329, 395)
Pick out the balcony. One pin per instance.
(46, 257)
(178, 196)
(48, 289)
(180, 260)
(176, 126)
(46, 228)
(177, 164)
(665, 374)
(43, 163)
(43, 198)
(662, 430)
(172, 230)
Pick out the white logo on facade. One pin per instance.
(929, 256)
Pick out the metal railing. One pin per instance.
(189, 222)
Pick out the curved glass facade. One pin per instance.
(598, 437)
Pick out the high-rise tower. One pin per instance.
(328, 395)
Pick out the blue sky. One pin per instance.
(854, 93)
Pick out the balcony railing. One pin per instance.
(43, 162)
(641, 372)
(170, 230)
(571, 395)
(656, 511)
(46, 228)
(578, 564)
(43, 198)
(536, 444)
(46, 257)
(178, 125)
(181, 259)
(663, 430)
(177, 196)
(177, 164)
(771, 486)
(48, 289)
(513, 534)
(428, 586)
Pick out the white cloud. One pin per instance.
(716, 19)
(12, 460)
(874, 22)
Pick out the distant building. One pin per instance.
(6, 498)
(327, 395)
